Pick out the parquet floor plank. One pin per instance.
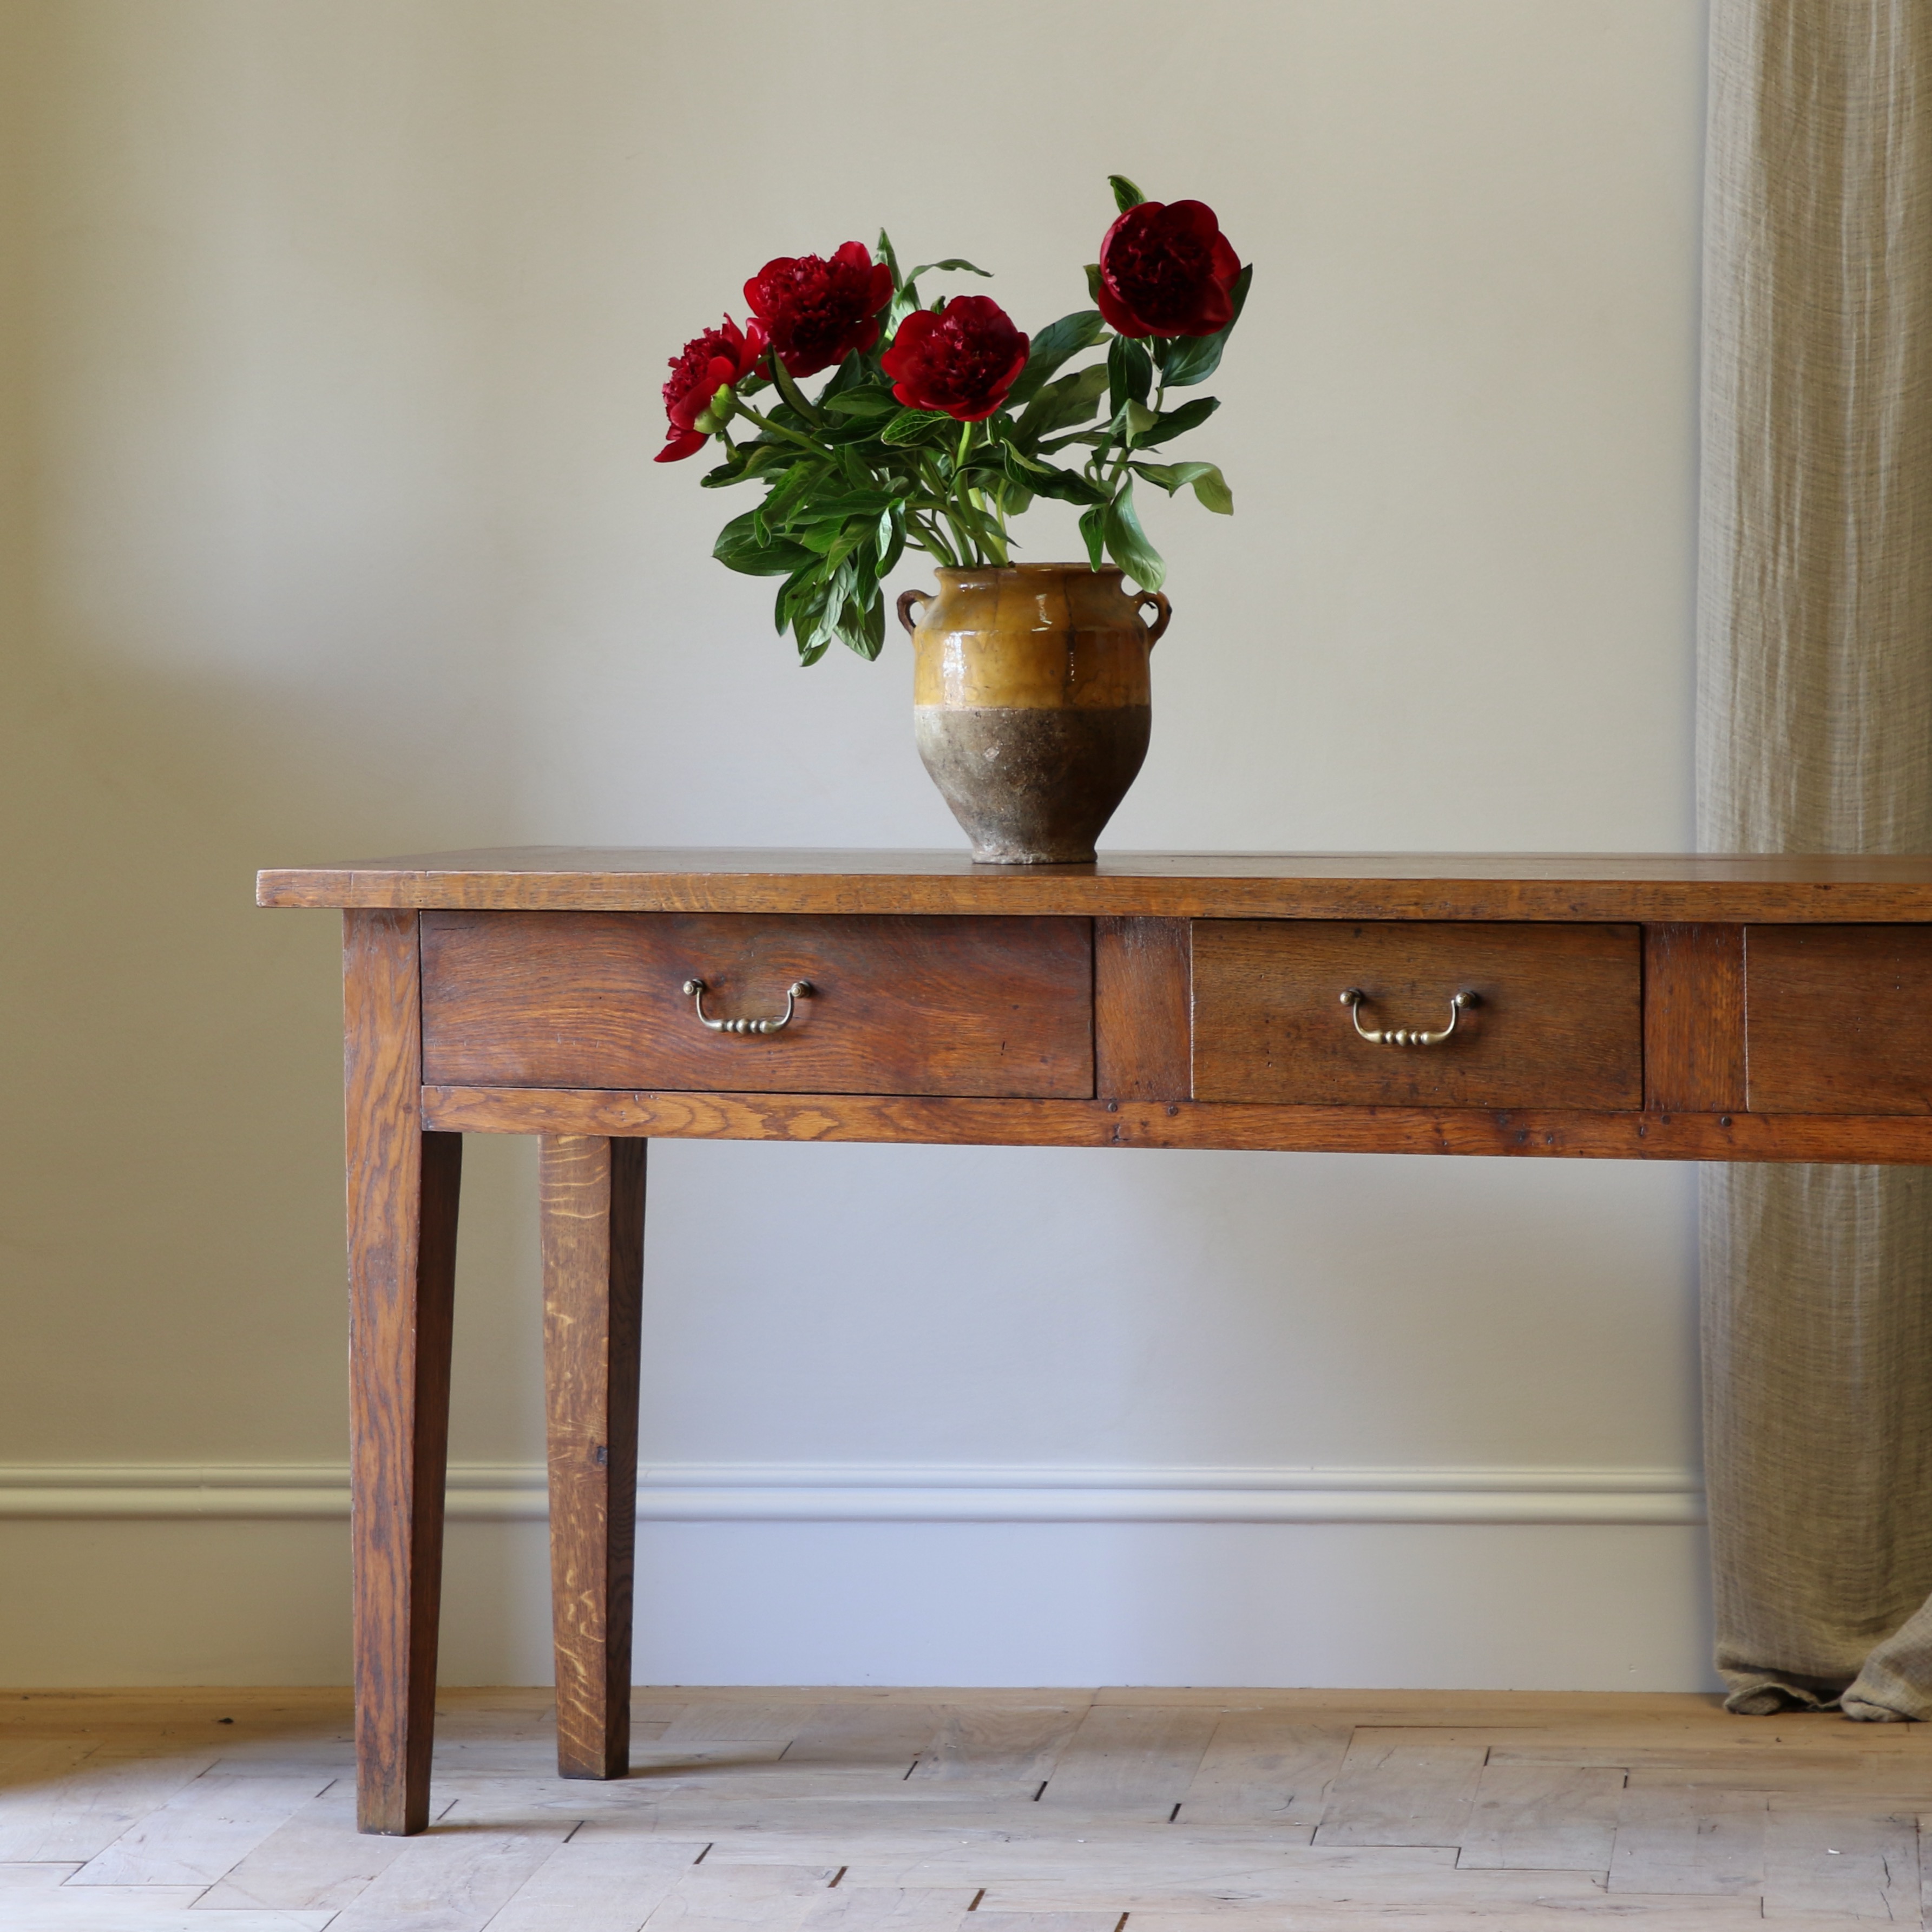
(1684, 1838)
(200, 1833)
(1015, 1747)
(597, 1882)
(1131, 1760)
(1542, 1817)
(1259, 1768)
(447, 1881)
(316, 1861)
(878, 1734)
(78, 1817)
(37, 1898)
(891, 1909)
(1844, 1865)
(1401, 1786)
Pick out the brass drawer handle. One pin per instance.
(798, 989)
(1354, 996)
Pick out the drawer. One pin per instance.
(1558, 1021)
(991, 1006)
(1834, 1019)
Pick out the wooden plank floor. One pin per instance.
(843, 1811)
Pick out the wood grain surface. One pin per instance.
(898, 1006)
(402, 1186)
(1837, 1019)
(1558, 1025)
(1693, 1018)
(1633, 1134)
(591, 1191)
(1720, 889)
(793, 1809)
(1141, 1009)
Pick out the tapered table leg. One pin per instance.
(403, 1189)
(593, 1263)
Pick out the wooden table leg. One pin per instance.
(593, 1265)
(403, 1189)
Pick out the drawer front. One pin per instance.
(1558, 1021)
(1001, 1007)
(1835, 1019)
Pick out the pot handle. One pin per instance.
(1146, 597)
(906, 598)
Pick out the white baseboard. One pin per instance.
(875, 1492)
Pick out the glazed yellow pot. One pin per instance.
(1031, 703)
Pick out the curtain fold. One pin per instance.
(1815, 735)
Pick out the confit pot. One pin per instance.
(1031, 703)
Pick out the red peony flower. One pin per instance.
(816, 312)
(962, 360)
(1166, 269)
(706, 361)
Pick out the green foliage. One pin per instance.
(852, 479)
(1193, 359)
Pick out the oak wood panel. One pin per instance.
(403, 1189)
(898, 1006)
(591, 1191)
(1558, 1024)
(1693, 1018)
(1837, 1019)
(1141, 1009)
(1653, 887)
(1629, 1135)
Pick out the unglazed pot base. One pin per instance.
(1030, 786)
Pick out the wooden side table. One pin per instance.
(1708, 1009)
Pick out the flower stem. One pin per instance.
(772, 428)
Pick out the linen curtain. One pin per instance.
(1815, 735)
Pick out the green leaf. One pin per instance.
(1193, 359)
(916, 426)
(1140, 418)
(1126, 195)
(836, 509)
(1042, 479)
(862, 628)
(789, 592)
(889, 255)
(738, 547)
(1129, 373)
(1210, 487)
(1127, 543)
(951, 263)
(1178, 422)
(1092, 281)
(852, 373)
(1063, 402)
(891, 539)
(803, 416)
(798, 483)
(1059, 342)
(1094, 534)
(871, 401)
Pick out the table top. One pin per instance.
(1645, 886)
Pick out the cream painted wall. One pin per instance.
(334, 329)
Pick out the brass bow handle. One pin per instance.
(1354, 997)
(798, 989)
